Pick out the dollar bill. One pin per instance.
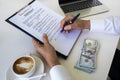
(87, 60)
(85, 69)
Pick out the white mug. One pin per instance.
(24, 66)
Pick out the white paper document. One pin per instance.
(36, 19)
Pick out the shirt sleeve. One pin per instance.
(59, 72)
(109, 25)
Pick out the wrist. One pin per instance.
(52, 64)
(83, 24)
(52, 61)
(87, 24)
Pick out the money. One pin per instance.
(87, 60)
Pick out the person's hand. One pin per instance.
(47, 51)
(78, 24)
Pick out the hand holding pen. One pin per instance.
(68, 21)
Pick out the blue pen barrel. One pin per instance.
(73, 20)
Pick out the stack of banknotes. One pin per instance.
(88, 58)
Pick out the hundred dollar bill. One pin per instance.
(85, 69)
(87, 60)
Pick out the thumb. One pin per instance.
(45, 39)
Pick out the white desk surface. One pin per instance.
(14, 43)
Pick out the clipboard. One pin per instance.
(62, 48)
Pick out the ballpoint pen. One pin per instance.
(71, 21)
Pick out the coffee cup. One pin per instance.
(23, 66)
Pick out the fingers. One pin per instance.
(67, 28)
(45, 39)
(36, 44)
(67, 18)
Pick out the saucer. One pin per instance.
(39, 69)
